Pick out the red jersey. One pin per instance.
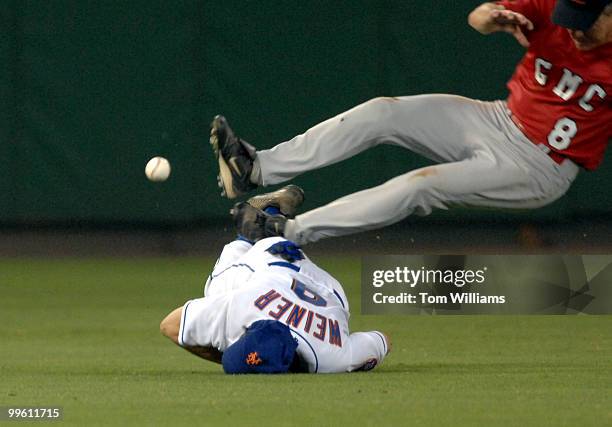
(561, 96)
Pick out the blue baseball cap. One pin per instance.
(578, 14)
(267, 347)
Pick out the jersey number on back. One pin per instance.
(305, 294)
(563, 132)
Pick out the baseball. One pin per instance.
(158, 169)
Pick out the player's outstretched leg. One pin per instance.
(242, 169)
(439, 127)
(265, 215)
(235, 157)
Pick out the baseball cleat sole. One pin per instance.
(235, 158)
(224, 179)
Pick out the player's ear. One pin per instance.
(170, 326)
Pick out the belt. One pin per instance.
(556, 157)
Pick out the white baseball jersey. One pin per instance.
(249, 284)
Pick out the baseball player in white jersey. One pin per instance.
(272, 280)
(520, 153)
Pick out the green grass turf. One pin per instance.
(83, 334)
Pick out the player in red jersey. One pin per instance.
(560, 94)
(521, 153)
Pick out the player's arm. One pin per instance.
(170, 327)
(491, 17)
(367, 350)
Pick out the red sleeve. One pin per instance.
(537, 11)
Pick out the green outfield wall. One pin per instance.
(89, 91)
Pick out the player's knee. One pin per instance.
(382, 102)
(420, 184)
(380, 108)
(383, 99)
(422, 193)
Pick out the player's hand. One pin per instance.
(513, 23)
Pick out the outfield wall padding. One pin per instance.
(89, 91)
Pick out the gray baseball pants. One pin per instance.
(483, 160)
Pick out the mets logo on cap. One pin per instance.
(267, 347)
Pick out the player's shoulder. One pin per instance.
(275, 250)
(261, 250)
(268, 241)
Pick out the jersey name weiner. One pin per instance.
(568, 85)
(283, 309)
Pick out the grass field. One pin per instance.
(83, 334)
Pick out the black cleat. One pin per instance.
(286, 199)
(235, 158)
(254, 224)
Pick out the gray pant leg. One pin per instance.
(478, 181)
(485, 167)
(475, 182)
(435, 126)
(329, 142)
(374, 122)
